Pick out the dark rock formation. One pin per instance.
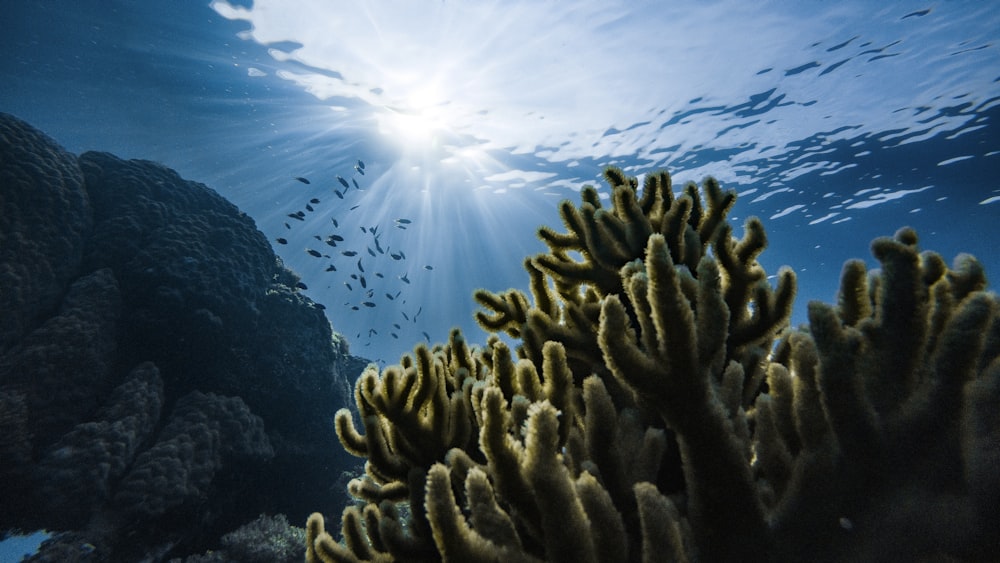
(160, 374)
(44, 221)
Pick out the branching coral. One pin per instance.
(658, 408)
(872, 417)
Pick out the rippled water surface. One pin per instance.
(835, 122)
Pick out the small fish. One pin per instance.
(419, 309)
(315, 253)
(303, 180)
(403, 255)
(404, 279)
(368, 304)
(336, 225)
(340, 195)
(403, 221)
(361, 164)
(349, 253)
(397, 326)
(337, 238)
(427, 336)
(354, 276)
(393, 334)
(349, 288)
(428, 267)
(314, 201)
(355, 182)
(301, 285)
(355, 207)
(287, 226)
(317, 237)
(331, 268)
(395, 256)
(364, 230)
(405, 316)
(363, 282)
(309, 208)
(401, 227)
(331, 242)
(370, 293)
(379, 275)
(372, 331)
(360, 170)
(389, 295)
(295, 216)
(359, 265)
(356, 308)
(370, 251)
(280, 240)
(378, 247)
(343, 182)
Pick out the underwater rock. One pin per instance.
(44, 220)
(130, 292)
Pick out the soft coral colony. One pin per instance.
(658, 407)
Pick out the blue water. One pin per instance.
(836, 123)
(16, 547)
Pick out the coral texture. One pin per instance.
(44, 222)
(160, 373)
(658, 407)
(79, 471)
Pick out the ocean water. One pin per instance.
(464, 124)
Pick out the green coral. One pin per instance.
(658, 407)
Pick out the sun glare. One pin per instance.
(412, 128)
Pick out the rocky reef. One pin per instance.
(656, 406)
(160, 373)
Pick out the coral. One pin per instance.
(206, 299)
(882, 417)
(205, 432)
(46, 217)
(72, 351)
(78, 471)
(112, 268)
(658, 407)
(268, 539)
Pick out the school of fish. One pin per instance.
(357, 258)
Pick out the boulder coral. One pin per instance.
(658, 407)
(160, 371)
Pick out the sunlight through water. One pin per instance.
(479, 116)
